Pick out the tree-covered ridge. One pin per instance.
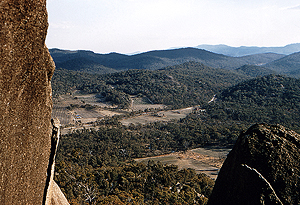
(254, 71)
(288, 65)
(177, 86)
(271, 99)
(65, 81)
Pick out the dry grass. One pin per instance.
(203, 160)
(160, 116)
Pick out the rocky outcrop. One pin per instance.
(26, 69)
(262, 168)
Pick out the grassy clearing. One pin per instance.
(159, 116)
(203, 160)
(80, 116)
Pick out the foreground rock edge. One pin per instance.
(25, 102)
(262, 168)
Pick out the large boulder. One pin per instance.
(26, 69)
(262, 168)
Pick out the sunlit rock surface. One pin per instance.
(26, 69)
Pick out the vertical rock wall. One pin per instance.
(25, 101)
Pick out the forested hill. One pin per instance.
(91, 62)
(177, 86)
(270, 99)
(254, 71)
(289, 65)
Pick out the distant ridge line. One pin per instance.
(249, 50)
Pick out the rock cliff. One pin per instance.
(26, 69)
(262, 168)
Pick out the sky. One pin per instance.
(131, 26)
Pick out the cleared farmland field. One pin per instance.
(143, 103)
(160, 116)
(203, 160)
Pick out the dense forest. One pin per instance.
(272, 99)
(133, 183)
(254, 71)
(288, 65)
(97, 167)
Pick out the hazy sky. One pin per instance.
(128, 26)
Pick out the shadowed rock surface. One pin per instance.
(262, 168)
(26, 69)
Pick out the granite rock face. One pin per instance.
(26, 69)
(262, 168)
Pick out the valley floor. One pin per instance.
(203, 160)
(79, 117)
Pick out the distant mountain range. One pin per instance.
(251, 65)
(91, 62)
(250, 50)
